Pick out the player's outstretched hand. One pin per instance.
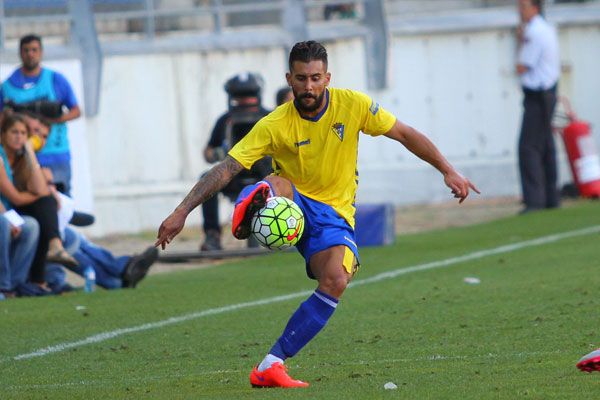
(459, 185)
(170, 227)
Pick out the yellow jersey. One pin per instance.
(318, 155)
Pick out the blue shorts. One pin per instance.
(323, 228)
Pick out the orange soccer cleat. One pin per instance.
(246, 207)
(590, 362)
(274, 376)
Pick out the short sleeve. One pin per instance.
(63, 90)
(377, 121)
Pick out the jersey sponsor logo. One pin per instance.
(338, 129)
(374, 107)
(302, 143)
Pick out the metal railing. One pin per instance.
(89, 29)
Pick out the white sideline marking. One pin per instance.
(376, 278)
(478, 254)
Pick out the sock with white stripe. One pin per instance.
(307, 321)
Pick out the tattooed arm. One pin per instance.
(215, 180)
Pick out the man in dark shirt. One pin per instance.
(245, 110)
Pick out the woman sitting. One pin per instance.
(18, 157)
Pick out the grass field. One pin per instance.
(409, 319)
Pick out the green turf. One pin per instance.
(517, 334)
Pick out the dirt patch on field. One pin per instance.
(422, 218)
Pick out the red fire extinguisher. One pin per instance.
(581, 150)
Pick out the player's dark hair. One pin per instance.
(308, 51)
(28, 39)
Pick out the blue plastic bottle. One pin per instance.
(90, 279)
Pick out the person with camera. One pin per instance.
(245, 109)
(34, 88)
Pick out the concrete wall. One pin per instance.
(157, 111)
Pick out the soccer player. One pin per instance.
(313, 141)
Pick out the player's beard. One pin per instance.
(317, 103)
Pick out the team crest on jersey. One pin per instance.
(338, 129)
(374, 107)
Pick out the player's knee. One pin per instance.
(334, 285)
(281, 186)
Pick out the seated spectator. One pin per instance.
(39, 129)
(109, 269)
(18, 157)
(111, 272)
(17, 248)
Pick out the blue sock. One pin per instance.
(248, 189)
(307, 321)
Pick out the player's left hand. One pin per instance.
(170, 227)
(459, 185)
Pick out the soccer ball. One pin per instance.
(279, 224)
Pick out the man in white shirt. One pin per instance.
(539, 68)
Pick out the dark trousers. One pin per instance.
(44, 211)
(537, 152)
